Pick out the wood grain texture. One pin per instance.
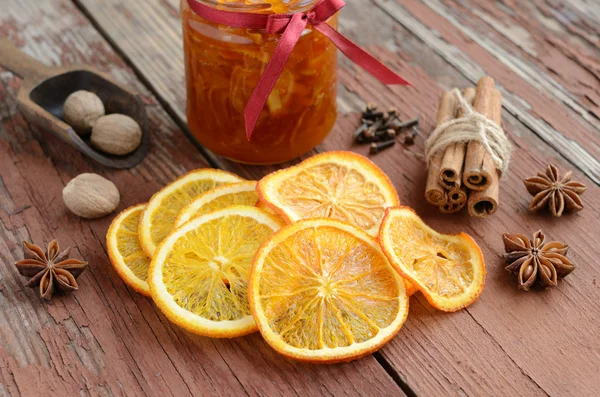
(578, 18)
(106, 339)
(534, 105)
(568, 61)
(508, 343)
(507, 346)
(518, 37)
(497, 346)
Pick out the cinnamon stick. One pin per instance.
(479, 166)
(458, 195)
(484, 203)
(434, 192)
(457, 199)
(454, 155)
(449, 208)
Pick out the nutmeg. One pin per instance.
(116, 134)
(91, 196)
(81, 110)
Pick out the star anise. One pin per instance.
(50, 270)
(556, 193)
(533, 260)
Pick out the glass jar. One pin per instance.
(223, 65)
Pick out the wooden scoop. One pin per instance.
(45, 89)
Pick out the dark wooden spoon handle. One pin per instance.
(22, 64)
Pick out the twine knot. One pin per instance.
(472, 126)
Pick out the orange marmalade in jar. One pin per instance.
(224, 65)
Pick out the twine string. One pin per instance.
(472, 126)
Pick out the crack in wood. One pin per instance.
(507, 354)
(395, 375)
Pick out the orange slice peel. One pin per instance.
(199, 275)
(448, 269)
(159, 217)
(242, 193)
(338, 185)
(124, 249)
(321, 291)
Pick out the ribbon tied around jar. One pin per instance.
(291, 26)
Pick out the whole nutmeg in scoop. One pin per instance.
(81, 111)
(116, 134)
(91, 196)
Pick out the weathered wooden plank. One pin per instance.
(548, 44)
(532, 53)
(485, 350)
(463, 367)
(106, 339)
(544, 116)
(551, 120)
(579, 17)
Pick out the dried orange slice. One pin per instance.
(199, 274)
(125, 251)
(322, 291)
(160, 215)
(261, 204)
(338, 185)
(448, 270)
(410, 288)
(243, 193)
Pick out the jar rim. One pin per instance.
(258, 5)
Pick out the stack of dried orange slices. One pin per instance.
(319, 257)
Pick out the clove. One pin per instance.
(377, 125)
(384, 134)
(359, 133)
(371, 112)
(369, 134)
(368, 122)
(377, 147)
(383, 127)
(409, 139)
(400, 125)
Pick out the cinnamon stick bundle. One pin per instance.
(464, 173)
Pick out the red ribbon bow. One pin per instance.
(291, 26)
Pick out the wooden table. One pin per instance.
(108, 340)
